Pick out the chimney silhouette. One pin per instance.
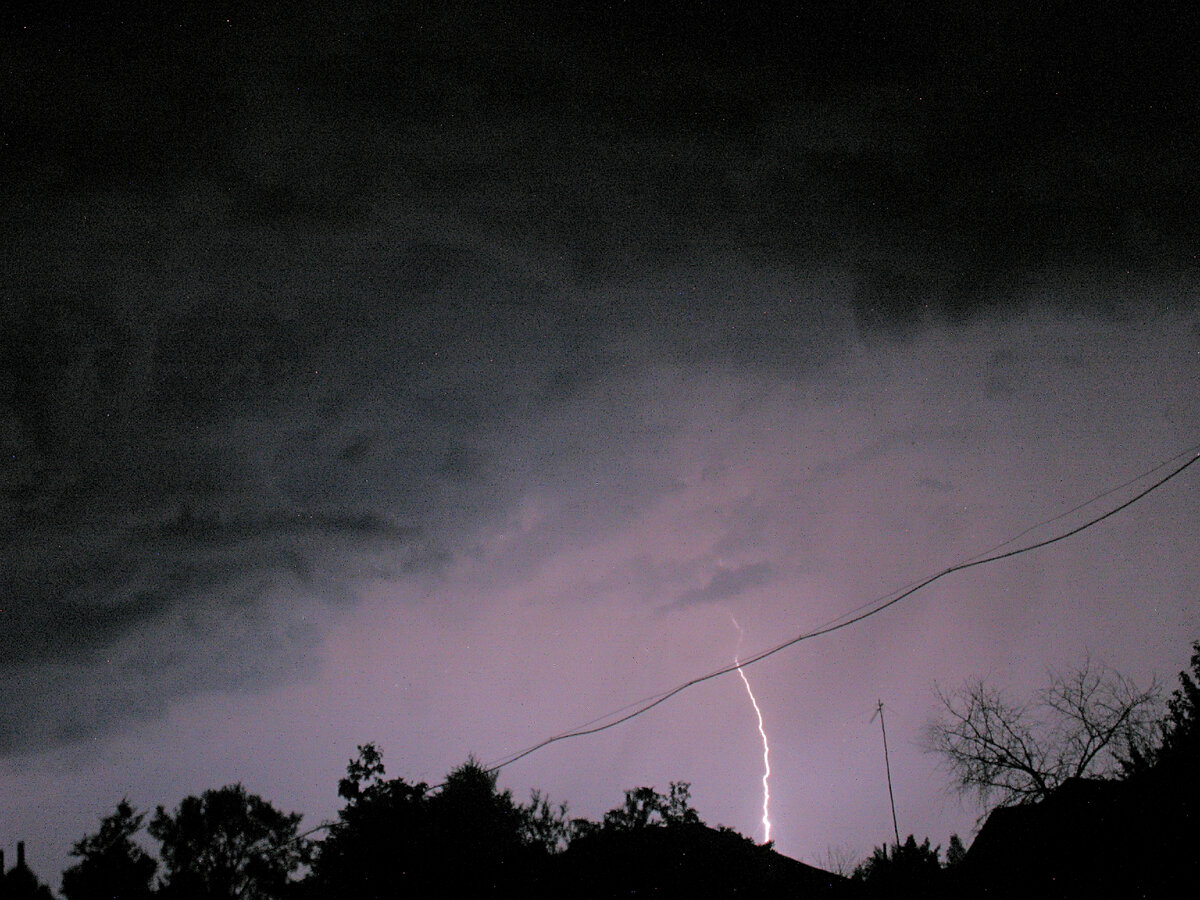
(20, 854)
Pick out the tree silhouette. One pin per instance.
(1163, 796)
(1083, 724)
(496, 846)
(955, 851)
(1178, 746)
(466, 838)
(679, 805)
(484, 821)
(840, 860)
(364, 774)
(908, 869)
(111, 865)
(545, 825)
(381, 844)
(1181, 734)
(227, 843)
(644, 807)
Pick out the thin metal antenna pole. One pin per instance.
(888, 765)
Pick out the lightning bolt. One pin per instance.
(766, 778)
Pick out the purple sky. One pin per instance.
(447, 383)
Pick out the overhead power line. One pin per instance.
(632, 711)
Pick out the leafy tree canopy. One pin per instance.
(466, 835)
(955, 851)
(644, 807)
(111, 864)
(904, 867)
(381, 839)
(1178, 738)
(228, 843)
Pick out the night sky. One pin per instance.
(447, 376)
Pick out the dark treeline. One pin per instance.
(464, 837)
(1131, 834)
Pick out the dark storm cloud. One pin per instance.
(727, 584)
(115, 614)
(293, 305)
(247, 437)
(952, 155)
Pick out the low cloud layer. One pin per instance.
(207, 419)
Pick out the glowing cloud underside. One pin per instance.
(766, 778)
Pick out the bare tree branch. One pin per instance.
(1083, 724)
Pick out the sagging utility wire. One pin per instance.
(861, 612)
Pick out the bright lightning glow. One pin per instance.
(737, 661)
